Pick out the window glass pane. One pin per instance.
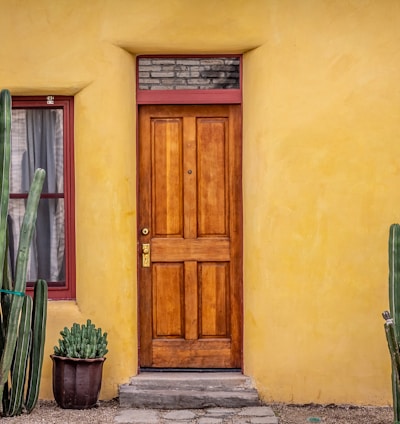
(185, 73)
(47, 252)
(37, 142)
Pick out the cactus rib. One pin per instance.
(5, 146)
(14, 406)
(37, 349)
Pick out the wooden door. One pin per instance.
(190, 202)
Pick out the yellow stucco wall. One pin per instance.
(322, 123)
(320, 174)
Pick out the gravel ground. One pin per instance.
(332, 414)
(49, 413)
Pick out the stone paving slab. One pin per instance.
(247, 415)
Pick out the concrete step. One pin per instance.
(192, 380)
(185, 390)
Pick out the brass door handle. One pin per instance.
(146, 255)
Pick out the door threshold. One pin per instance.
(186, 370)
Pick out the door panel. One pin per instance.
(214, 290)
(168, 299)
(190, 295)
(167, 177)
(212, 168)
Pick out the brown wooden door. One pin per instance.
(190, 295)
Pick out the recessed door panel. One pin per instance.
(166, 170)
(213, 169)
(168, 300)
(214, 293)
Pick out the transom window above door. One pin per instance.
(189, 73)
(189, 79)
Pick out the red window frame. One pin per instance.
(201, 96)
(66, 103)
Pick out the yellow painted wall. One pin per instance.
(320, 175)
(321, 121)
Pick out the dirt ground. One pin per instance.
(329, 414)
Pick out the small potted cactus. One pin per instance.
(78, 366)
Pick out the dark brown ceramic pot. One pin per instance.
(76, 382)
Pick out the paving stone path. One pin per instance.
(251, 415)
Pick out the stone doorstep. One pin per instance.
(188, 399)
(192, 381)
(188, 390)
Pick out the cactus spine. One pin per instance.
(18, 334)
(392, 324)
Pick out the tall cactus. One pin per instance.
(20, 337)
(392, 324)
(5, 154)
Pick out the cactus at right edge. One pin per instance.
(82, 341)
(21, 338)
(393, 346)
(392, 324)
(394, 275)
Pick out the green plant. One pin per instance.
(21, 338)
(392, 318)
(82, 341)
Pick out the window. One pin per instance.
(42, 137)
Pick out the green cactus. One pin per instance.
(20, 276)
(13, 405)
(394, 275)
(5, 155)
(392, 324)
(82, 341)
(19, 338)
(37, 348)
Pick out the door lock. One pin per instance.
(145, 231)
(146, 255)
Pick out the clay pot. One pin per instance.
(76, 382)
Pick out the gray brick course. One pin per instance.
(163, 74)
(188, 62)
(188, 73)
(162, 61)
(145, 61)
(149, 68)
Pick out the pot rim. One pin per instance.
(65, 358)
